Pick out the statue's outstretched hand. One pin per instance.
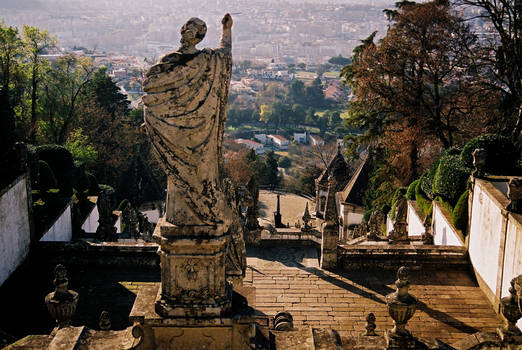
(227, 21)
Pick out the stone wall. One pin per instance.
(444, 233)
(391, 257)
(61, 230)
(415, 222)
(103, 254)
(495, 239)
(91, 222)
(15, 232)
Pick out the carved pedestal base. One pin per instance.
(192, 271)
(234, 330)
(394, 342)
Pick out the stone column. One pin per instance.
(330, 231)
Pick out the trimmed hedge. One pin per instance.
(427, 179)
(502, 155)
(46, 178)
(451, 178)
(410, 194)
(459, 217)
(425, 205)
(61, 162)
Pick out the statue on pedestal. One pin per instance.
(185, 114)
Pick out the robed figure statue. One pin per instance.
(185, 113)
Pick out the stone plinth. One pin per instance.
(233, 330)
(193, 280)
(329, 246)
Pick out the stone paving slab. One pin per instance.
(451, 303)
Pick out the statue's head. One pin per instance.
(192, 33)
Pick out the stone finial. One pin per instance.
(514, 195)
(105, 321)
(511, 313)
(401, 307)
(370, 325)
(62, 302)
(306, 219)
(479, 162)
(400, 225)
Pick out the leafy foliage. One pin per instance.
(425, 205)
(410, 194)
(61, 162)
(450, 178)
(81, 149)
(459, 217)
(502, 155)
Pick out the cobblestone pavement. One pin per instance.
(285, 278)
(451, 303)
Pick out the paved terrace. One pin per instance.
(451, 303)
(289, 279)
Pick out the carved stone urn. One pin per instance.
(401, 307)
(511, 313)
(62, 302)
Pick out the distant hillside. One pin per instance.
(20, 4)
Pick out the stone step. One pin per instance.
(297, 339)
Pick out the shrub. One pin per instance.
(366, 216)
(459, 217)
(446, 205)
(425, 205)
(46, 178)
(61, 162)
(285, 162)
(450, 178)
(94, 189)
(410, 194)
(427, 178)
(123, 204)
(502, 155)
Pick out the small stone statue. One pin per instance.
(236, 251)
(62, 302)
(374, 225)
(370, 325)
(106, 230)
(400, 225)
(427, 237)
(130, 219)
(105, 321)
(479, 162)
(185, 114)
(306, 219)
(252, 213)
(514, 195)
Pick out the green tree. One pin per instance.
(12, 82)
(314, 94)
(63, 86)
(80, 147)
(107, 93)
(271, 169)
(36, 42)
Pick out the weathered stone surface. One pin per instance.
(185, 114)
(399, 234)
(62, 302)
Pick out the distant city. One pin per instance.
(294, 31)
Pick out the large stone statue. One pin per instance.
(185, 112)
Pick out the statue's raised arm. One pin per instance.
(185, 114)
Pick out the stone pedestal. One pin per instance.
(329, 239)
(193, 282)
(233, 330)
